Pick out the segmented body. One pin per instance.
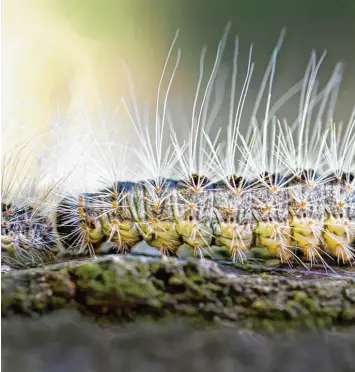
(318, 220)
(339, 224)
(26, 234)
(233, 223)
(156, 210)
(270, 209)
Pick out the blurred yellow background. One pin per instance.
(57, 54)
(60, 54)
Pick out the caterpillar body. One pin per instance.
(27, 229)
(289, 188)
(228, 219)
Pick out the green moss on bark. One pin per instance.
(120, 289)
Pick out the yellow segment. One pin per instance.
(276, 239)
(162, 235)
(194, 236)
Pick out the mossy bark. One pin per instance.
(118, 289)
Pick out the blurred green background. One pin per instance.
(48, 43)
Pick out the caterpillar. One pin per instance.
(284, 186)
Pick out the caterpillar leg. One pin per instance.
(307, 233)
(339, 234)
(78, 224)
(307, 207)
(338, 247)
(162, 235)
(270, 208)
(339, 238)
(277, 239)
(156, 215)
(195, 236)
(124, 234)
(233, 214)
(193, 213)
(236, 239)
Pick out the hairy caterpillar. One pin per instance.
(26, 228)
(288, 187)
(32, 182)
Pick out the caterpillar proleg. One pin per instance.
(287, 186)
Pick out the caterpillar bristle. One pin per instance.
(28, 234)
(288, 187)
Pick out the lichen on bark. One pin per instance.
(119, 289)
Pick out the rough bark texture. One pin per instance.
(119, 289)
